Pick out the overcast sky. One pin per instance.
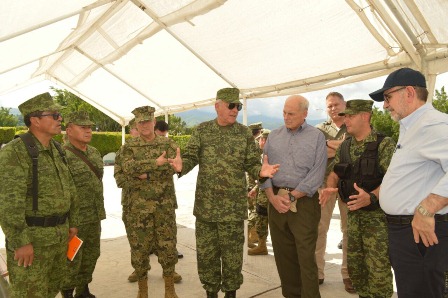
(265, 106)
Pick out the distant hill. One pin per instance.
(194, 117)
(13, 111)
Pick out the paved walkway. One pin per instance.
(260, 273)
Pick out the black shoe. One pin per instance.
(230, 294)
(84, 294)
(67, 293)
(212, 295)
(179, 255)
(321, 281)
(340, 245)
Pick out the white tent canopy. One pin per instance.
(175, 54)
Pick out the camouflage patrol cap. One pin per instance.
(229, 95)
(41, 102)
(79, 118)
(257, 125)
(132, 123)
(264, 134)
(144, 113)
(356, 106)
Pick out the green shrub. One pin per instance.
(7, 134)
(181, 141)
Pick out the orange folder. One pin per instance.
(73, 247)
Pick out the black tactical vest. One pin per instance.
(365, 171)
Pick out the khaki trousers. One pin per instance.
(324, 225)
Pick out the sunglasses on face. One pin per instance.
(55, 115)
(238, 106)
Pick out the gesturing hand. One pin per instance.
(161, 160)
(176, 162)
(325, 194)
(268, 170)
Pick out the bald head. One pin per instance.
(295, 111)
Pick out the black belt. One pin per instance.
(407, 219)
(46, 221)
(277, 188)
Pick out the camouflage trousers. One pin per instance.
(145, 230)
(367, 253)
(220, 254)
(261, 220)
(80, 270)
(44, 277)
(252, 213)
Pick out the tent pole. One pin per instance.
(123, 133)
(244, 110)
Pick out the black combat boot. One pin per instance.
(230, 294)
(212, 295)
(85, 292)
(67, 293)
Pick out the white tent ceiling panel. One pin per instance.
(164, 62)
(23, 15)
(434, 13)
(17, 77)
(33, 45)
(256, 50)
(174, 55)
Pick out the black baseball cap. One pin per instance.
(400, 77)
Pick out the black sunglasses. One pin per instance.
(55, 115)
(238, 106)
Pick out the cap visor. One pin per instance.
(379, 94)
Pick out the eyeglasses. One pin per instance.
(55, 115)
(238, 106)
(388, 96)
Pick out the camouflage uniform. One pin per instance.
(251, 183)
(367, 253)
(56, 197)
(91, 209)
(224, 154)
(261, 203)
(148, 205)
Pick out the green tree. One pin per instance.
(7, 119)
(383, 123)
(177, 127)
(72, 103)
(440, 101)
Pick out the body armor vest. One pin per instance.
(365, 171)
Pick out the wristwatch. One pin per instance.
(373, 198)
(422, 210)
(292, 198)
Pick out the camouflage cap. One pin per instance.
(79, 118)
(257, 125)
(132, 123)
(229, 95)
(144, 113)
(356, 106)
(264, 134)
(41, 102)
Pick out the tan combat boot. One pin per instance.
(176, 277)
(252, 237)
(143, 288)
(261, 249)
(169, 287)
